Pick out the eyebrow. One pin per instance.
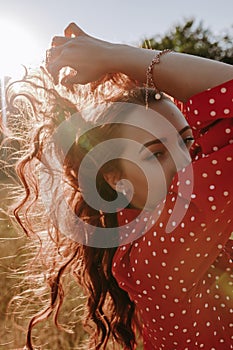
(163, 139)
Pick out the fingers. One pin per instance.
(54, 70)
(56, 58)
(69, 81)
(59, 40)
(52, 54)
(73, 30)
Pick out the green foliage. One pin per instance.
(195, 39)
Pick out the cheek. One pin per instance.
(135, 175)
(157, 185)
(149, 182)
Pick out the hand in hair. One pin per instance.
(86, 56)
(177, 74)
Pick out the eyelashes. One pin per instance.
(189, 139)
(187, 142)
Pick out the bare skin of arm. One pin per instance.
(179, 75)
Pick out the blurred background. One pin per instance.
(200, 27)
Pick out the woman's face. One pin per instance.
(163, 140)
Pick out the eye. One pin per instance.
(188, 141)
(157, 154)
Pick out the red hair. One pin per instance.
(108, 309)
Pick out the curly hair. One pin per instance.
(109, 309)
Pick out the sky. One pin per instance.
(112, 20)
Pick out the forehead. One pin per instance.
(160, 121)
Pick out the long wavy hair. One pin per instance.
(109, 311)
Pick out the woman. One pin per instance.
(170, 276)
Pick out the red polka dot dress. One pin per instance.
(178, 271)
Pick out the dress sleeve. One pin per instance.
(210, 115)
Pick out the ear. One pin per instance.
(112, 178)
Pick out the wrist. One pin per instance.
(117, 58)
(130, 60)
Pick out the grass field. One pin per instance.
(13, 258)
(13, 261)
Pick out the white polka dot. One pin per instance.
(210, 199)
(226, 111)
(213, 113)
(218, 172)
(223, 90)
(195, 112)
(204, 175)
(228, 131)
(212, 187)
(211, 101)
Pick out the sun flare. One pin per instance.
(17, 48)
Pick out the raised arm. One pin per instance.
(179, 75)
